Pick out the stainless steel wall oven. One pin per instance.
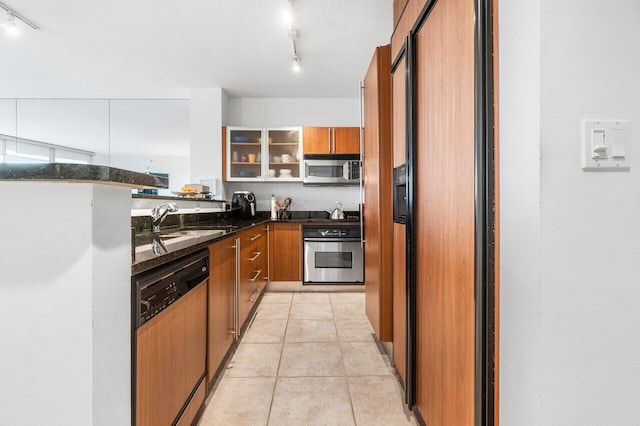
(333, 254)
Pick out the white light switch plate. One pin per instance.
(605, 145)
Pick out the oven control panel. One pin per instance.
(331, 231)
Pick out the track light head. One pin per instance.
(10, 25)
(296, 64)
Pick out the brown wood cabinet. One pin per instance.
(398, 8)
(377, 181)
(222, 282)
(399, 230)
(285, 252)
(224, 153)
(331, 140)
(444, 214)
(253, 268)
(399, 299)
(165, 378)
(191, 411)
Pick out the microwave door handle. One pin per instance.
(346, 170)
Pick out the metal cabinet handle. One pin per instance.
(329, 138)
(236, 292)
(255, 237)
(255, 256)
(255, 277)
(257, 290)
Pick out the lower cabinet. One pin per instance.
(253, 268)
(165, 378)
(222, 284)
(285, 252)
(399, 299)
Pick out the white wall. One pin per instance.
(275, 112)
(338, 112)
(590, 228)
(519, 212)
(65, 310)
(569, 308)
(206, 135)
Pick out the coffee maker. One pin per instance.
(247, 203)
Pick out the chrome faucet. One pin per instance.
(158, 214)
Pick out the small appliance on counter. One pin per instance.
(335, 211)
(247, 202)
(194, 190)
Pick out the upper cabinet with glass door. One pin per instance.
(244, 154)
(284, 152)
(255, 154)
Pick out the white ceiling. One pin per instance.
(162, 48)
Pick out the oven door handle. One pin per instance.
(332, 240)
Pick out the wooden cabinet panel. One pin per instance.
(331, 140)
(399, 298)
(377, 179)
(260, 262)
(221, 302)
(253, 268)
(346, 140)
(246, 286)
(194, 405)
(398, 8)
(285, 252)
(399, 114)
(412, 10)
(444, 213)
(224, 153)
(165, 377)
(316, 140)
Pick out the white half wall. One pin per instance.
(65, 310)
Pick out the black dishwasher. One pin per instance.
(169, 335)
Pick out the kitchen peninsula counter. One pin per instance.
(80, 173)
(68, 258)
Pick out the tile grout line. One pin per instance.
(275, 383)
(346, 377)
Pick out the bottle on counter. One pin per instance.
(274, 207)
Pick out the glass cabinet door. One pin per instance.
(244, 154)
(284, 154)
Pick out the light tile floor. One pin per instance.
(308, 359)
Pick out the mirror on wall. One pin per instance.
(151, 136)
(76, 129)
(7, 126)
(134, 134)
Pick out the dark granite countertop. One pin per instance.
(83, 173)
(174, 247)
(177, 247)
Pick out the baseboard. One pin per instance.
(297, 286)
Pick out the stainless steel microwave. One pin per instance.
(331, 169)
